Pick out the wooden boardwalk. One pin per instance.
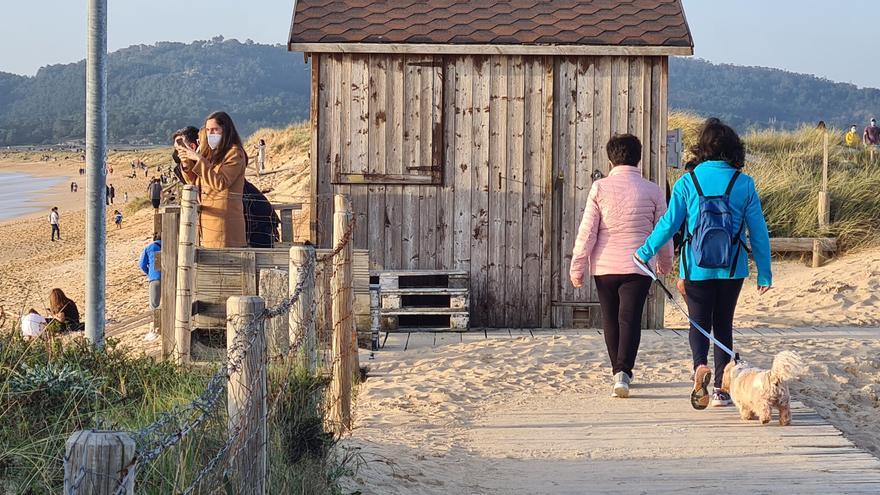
(653, 442)
(415, 340)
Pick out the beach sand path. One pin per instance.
(522, 414)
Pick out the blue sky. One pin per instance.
(811, 36)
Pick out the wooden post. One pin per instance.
(344, 364)
(157, 221)
(374, 317)
(824, 197)
(273, 290)
(246, 395)
(186, 254)
(97, 462)
(302, 315)
(167, 303)
(286, 225)
(817, 253)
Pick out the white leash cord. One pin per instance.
(647, 270)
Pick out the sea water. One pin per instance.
(19, 193)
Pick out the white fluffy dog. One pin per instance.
(756, 392)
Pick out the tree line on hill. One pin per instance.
(154, 89)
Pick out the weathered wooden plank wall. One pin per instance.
(597, 97)
(518, 139)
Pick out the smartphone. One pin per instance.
(180, 141)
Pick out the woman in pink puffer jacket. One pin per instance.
(621, 212)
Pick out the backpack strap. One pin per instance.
(732, 182)
(740, 244)
(696, 183)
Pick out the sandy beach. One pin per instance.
(31, 265)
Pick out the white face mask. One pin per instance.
(214, 140)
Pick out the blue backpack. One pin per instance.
(714, 243)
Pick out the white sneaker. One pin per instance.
(621, 385)
(151, 336)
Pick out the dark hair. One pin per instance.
(230, 138)
(157, 236)
(718, 141)
(57, 300)
(690, 165)
(624, 149)
(189, 133)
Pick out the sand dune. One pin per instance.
(844, 292)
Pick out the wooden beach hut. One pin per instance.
(467, 133)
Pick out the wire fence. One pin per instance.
(278, 402)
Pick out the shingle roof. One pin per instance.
(658, 23)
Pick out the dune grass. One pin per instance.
(787, 168)
(48, 390)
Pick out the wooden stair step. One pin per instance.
(425, 291)
(422, 311)
(419, 273)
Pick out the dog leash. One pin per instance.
(647, 270)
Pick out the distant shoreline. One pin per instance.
(57, 194)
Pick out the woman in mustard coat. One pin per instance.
(217, 167)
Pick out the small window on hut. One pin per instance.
(391, 123)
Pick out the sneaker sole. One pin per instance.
(700, 397)
(621, 392)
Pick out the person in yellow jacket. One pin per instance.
(852, 138)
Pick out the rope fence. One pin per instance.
(212, 450)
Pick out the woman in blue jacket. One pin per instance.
(712, 293)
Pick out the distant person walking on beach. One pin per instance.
(150, 266)
(217, 168)
(64, 315)
(871, 136)
(125, 197)
(111, 193)
(54, 221)
(155, 191)
(72, 186)
(117, 219)
(713, 275)
(261, 157)
(851, 138)
(621, 211)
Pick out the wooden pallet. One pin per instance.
(412, 279)
(421, 301)
(425, 297)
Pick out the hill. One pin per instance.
(154, 89)
(758, 97)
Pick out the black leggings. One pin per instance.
(622, 298)
(711, 303)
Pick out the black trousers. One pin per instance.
(622, 299)
(711, 303)
(56, 230)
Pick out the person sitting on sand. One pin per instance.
(63, 313)
(711, 293)
(32, 324)
(621, 211)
